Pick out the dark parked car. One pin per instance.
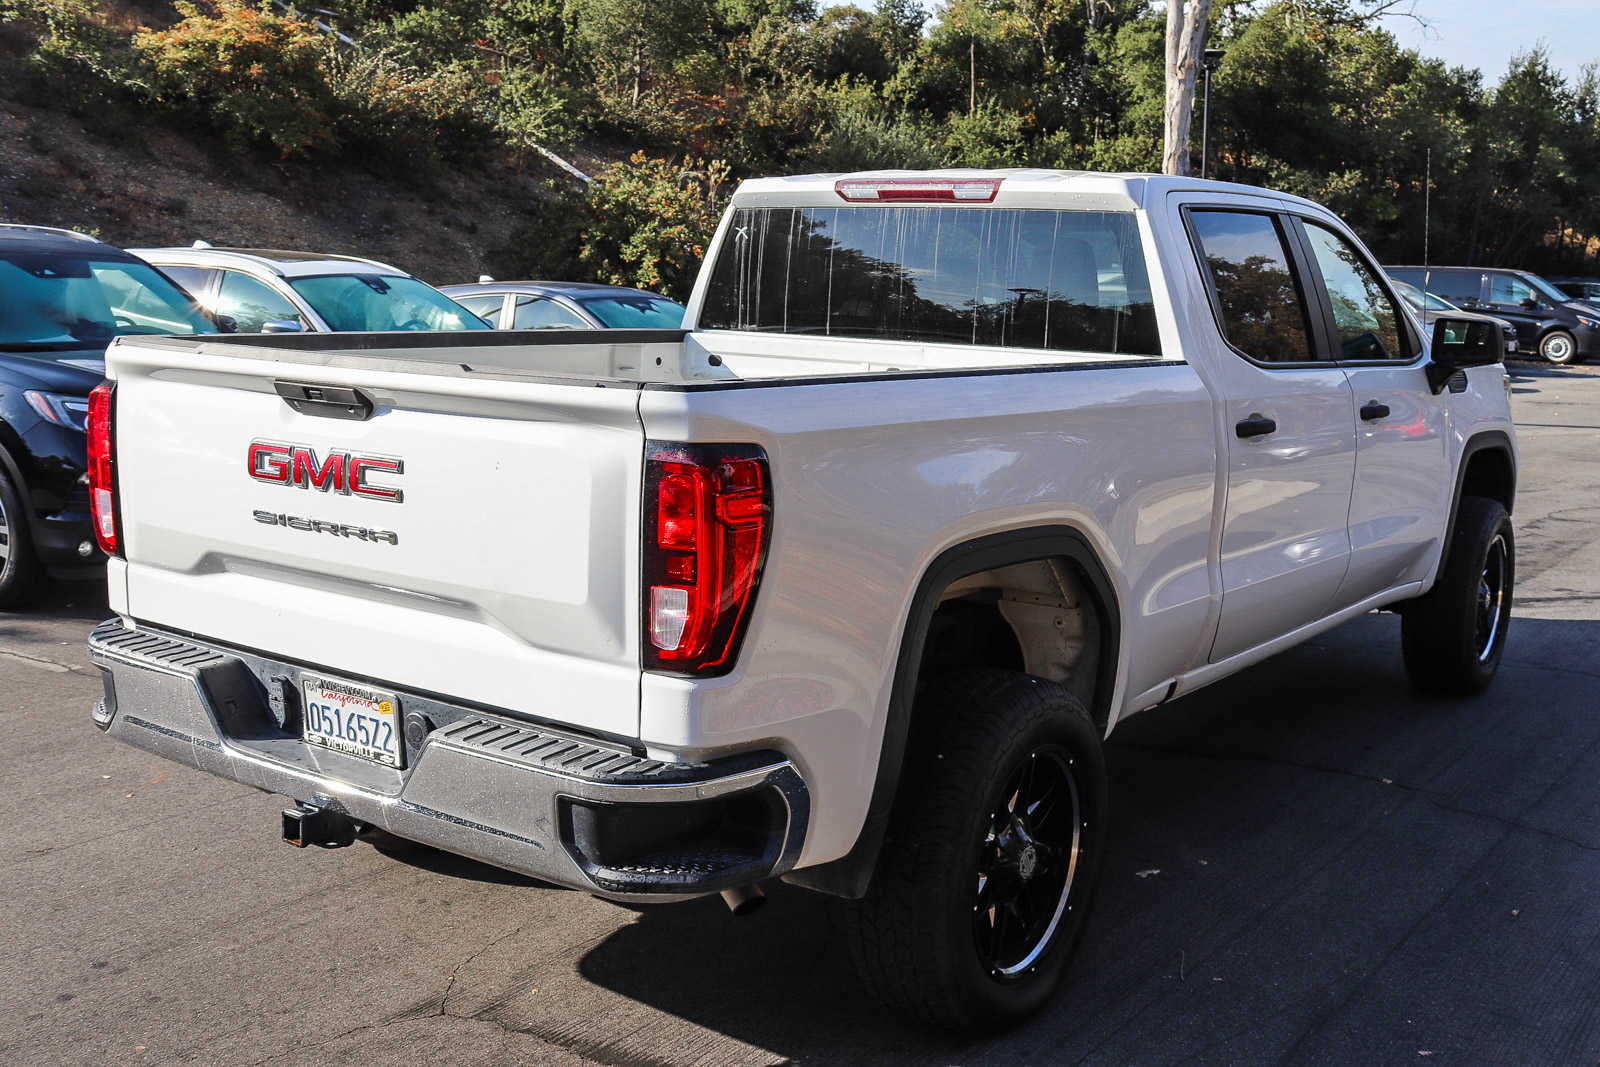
(1548, 321)
(566, 306)
(1436, 307)
(63, 297)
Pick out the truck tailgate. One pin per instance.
(505, 575)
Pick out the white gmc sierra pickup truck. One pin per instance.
(845, 582)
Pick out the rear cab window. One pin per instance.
(1039, 279)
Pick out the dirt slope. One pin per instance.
(158, 187)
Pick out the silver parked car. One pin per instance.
(566, 306)
(269, 291)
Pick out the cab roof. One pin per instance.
(1018, 187)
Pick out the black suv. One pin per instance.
(1548, 321)
(63, 297)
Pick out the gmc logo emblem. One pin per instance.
(341, 472)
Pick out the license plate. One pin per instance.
(352, 719)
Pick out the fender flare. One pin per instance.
(851, 874)
(1483, 441)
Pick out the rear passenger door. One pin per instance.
(1289, 425)
(1402, 483)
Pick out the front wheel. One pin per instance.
(1558, 347)
(1453, 638)
(992, 853)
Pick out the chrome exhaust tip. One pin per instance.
(744, 900)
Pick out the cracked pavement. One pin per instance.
(1343, 872)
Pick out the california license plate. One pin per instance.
(352, 719)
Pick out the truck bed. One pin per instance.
(670, 358)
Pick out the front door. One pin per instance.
(1291, 440)
(1403, 484)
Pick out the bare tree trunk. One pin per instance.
(972, 75)
(1187, 21)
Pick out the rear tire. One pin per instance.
(1453, 638)
(991, 856)
(1558, 347)
(20, 571)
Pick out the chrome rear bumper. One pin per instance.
(568, 809)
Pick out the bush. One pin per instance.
(647, 222)
(259, 77)
(861, 134)
(991, 136)
(644, 223)
(384, 112)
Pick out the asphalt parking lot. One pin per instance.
(1310, 865)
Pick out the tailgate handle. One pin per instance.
(328, 401)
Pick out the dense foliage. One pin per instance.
(1313, 97)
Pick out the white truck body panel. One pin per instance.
(528, 490)
(515, 583)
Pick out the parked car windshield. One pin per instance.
(1413, 296)
(1545, 289)
(635, 311)
(371, 303)
(65, 302)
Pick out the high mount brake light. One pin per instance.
(102, 467)
(918, 190)
(707, 523)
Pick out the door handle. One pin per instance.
(1255, 424)
(1373, 410)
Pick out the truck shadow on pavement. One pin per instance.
(81, 599)
(1308, 861)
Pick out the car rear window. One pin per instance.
(635, 311)
(1069, 280)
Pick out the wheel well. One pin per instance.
(996, 599)
(1489, 474)
(1038, 616)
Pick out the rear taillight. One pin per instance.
(707, 522)
(102, 468)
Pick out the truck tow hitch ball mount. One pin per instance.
(306, 824)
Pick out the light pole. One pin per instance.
(1211, 60)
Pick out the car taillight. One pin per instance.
(707, 522)
(102, 468)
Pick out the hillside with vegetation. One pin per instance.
(423, 132)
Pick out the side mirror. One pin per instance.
(227, 324)
(1461, 343)
(1531, 303)
(282, 326)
